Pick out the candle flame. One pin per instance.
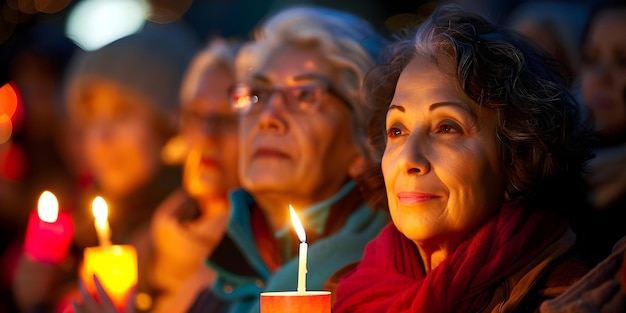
(48, 207)
(297, 224)
(100, 210)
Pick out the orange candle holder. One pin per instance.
(116, 268)
(295, 302)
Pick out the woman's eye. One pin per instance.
(305, 94)
(447, 129)
(393, 132)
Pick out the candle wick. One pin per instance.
(104, 241)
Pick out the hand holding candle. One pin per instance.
(49, 231)
(303, 250)
(114, 265)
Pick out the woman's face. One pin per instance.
(287, 152)
(441, 163)
(604, 72)
(209, 125)
(119, 139)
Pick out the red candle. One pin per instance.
(49, 231)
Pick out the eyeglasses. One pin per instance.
(220, 122)
(250, 98)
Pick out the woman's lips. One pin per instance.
(411, 197)
(270, 153)
(208, 162)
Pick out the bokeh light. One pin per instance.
(16, 12)
(8, 100)
(167, 11)
(51, 6)
(8, 107)
(94, 23)
(6, 128)
(26, 6)
(12, 162)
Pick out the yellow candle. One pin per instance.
(303, 250)
(101, 214)
(116, 268)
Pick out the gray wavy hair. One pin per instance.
(348, 42)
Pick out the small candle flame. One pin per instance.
(297, 224)
(101, 213)
(48, 207)
(100, 210)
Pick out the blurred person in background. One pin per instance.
(192, 220)
(555, 26)
(121, 102)
(603, 90)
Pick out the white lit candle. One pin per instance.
(303, 250)
(101, 213)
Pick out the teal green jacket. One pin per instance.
(243, 274)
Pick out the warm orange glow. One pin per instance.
(26, 6)
(8, 100)
(8, 106)
(297, 224)
(116, 268)
(48, 207)
(6, 128)
(50, 6)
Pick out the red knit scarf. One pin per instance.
(390, 277)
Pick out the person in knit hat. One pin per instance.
(121, 102)
(138, 76)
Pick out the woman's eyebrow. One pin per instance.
(459, 105)
(396, 107)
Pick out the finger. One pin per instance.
(73, 308)
(130, 301)
(104, 297)
(89, 303)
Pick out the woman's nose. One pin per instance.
(272, 116)
(414, 157)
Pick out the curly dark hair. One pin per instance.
(544, 143)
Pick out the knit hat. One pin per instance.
(149, 63)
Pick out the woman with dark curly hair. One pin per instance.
(482, 150)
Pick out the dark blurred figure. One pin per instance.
(603, 88)
(34, 160)
(555, 26)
